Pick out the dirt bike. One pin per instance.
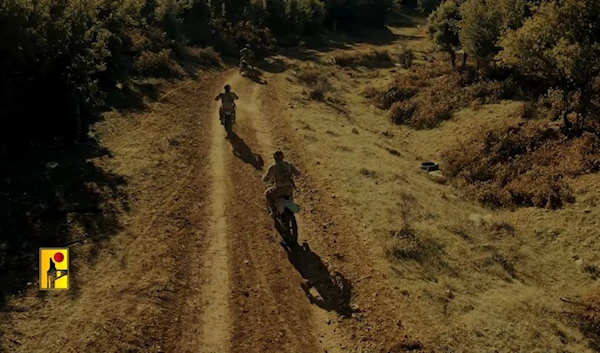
(244, 67)
(227, 119)
(285, 216)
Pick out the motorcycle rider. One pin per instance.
(281, 175)
(228, 99)
(246, 54)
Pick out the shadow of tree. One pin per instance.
(53, 196)
(271, 65)
(333, 290)
(242, 151)
(331, 41)
(405, 19)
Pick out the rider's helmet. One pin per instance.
(227, 88)
(278, 155)
(248, 46)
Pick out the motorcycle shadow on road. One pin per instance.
(330, 291)
(256, 76)
(242, 151)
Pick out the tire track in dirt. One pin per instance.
(199, 317)
(374, 324)
(216, 319)
(271, 310)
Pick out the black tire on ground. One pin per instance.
(430, 166)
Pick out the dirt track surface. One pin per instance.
(180, 255)
(199, 265)
(267, 310)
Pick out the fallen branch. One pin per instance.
(575, 303)
(15, 342)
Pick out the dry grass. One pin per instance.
(590, 318)
(458, 229)
(522, 165)
(371, 92)
(135, 310)
(402, 112)
(506, 273)
(593, 270)
(316, 79)
(550, 105)
(497, 258)
(409, 244)
(502, 227)
(414, 248)
(406, 57)
(372, 59)
(368, 173)
(527, 111)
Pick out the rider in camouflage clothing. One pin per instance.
(281, 175)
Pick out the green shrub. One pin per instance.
(406, 57)
(312, 15)
(230, 38)
(57, 45)
(160, 64)
(480, 29)
(426, 6)
(444, 28)
(204, 56)
(196, 17)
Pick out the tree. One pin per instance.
(443, 28)
(277, 19)
(196, 18)
(427, 6)
(480, 29)
(561, 44)
(512, 12)
(313, 12)
(373, 13)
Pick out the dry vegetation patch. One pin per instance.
(522, 165)
(430, 94)
(204, 56)
(408, 244)
(373, 58)
(590, 318)
(316, 79)
(162, 64)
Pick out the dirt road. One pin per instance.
(201, 267)
(268, 309)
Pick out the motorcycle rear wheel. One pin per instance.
(291, 226)
(227, 124)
